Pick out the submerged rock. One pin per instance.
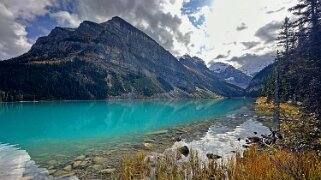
(213, 156)
(99, 160)
(81, 157)
(184, 150)
(78, 164)
(96, 167)
(63, 173)
(68, 168)
(149, 141)
(255, 139)
(108, 171)
(245, 146)
(158, 132)
(176, 139)
(52, 162)
(148, 145)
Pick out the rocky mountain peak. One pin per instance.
(193, 61)
(230, 74)
(108, 60)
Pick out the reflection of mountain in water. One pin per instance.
(73, 120)
(71, 128)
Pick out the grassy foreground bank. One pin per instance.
(296, 156)
(267, 164)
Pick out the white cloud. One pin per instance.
(65, 18)
(225, 16)
(13, 39)
(14, 16)
(27, 9)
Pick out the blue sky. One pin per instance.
(221, 30)
(192, 7)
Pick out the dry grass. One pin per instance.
(261, 100)
(269, 164)
(262, 105)
(279, 164)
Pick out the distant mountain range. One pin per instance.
(230, 74)
(102, 61)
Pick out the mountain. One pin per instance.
(258, 82)
(230, 74)
(197, 66)
(102, 61)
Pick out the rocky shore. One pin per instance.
(106, 163)
(102, 164)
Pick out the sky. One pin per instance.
(239, 32)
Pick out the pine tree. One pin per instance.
(286, 38)
(276, 115)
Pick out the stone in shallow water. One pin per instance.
(158, 132)
(77, 164)
(254, 139)
(81, 157)
(99, 160)
(108, 171)
(177, 139)
(149, 141)
(96, 167)
(68, 168)
(148, 145)
(52, 162)
(184, 150)
(213, 156)
(52, 171)
(63, 173)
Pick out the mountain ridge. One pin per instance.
(101, 61)
(230, 74)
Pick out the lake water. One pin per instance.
(50, 128)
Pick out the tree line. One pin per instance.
(298, 60)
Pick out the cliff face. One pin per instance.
(98, 61)
(197, 66)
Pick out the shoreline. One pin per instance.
(91, 165)
(130, 99)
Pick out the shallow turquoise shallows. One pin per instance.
(48, 125)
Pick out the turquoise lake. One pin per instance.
(54, 127)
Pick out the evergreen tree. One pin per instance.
(299, 63)
(276, 115)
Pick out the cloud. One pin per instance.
(275, 11)
(65, 18)
(237, 31)
(268, 32)
(14, 17)
(252, 63)
(223, 56)
(28, 9)
(250, 44)
(241, 27)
